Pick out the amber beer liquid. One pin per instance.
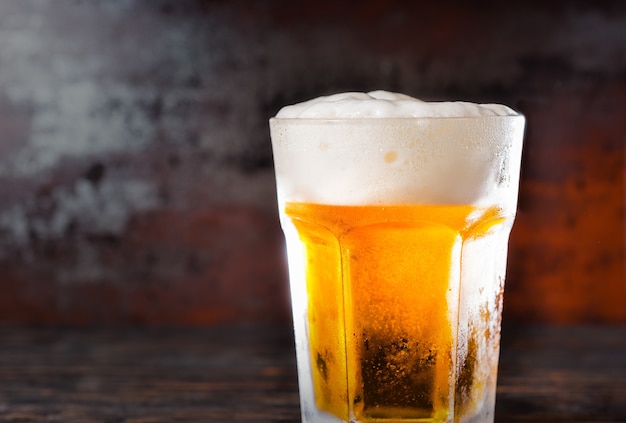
(397, 234)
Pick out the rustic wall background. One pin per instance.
(135, 164)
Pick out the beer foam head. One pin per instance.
(383, 148)
(384, 104)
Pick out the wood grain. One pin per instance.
(248, 374)
(564, 374)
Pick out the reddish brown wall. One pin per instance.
(135, 165)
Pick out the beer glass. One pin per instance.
(396, 232)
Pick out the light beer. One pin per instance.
(396, 286)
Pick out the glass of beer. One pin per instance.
(396, 215)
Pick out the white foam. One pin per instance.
(380, 148)
(385, 104)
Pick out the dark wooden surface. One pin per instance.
(565, 374)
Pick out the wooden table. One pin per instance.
(248, 374)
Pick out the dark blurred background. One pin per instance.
(136, 179)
